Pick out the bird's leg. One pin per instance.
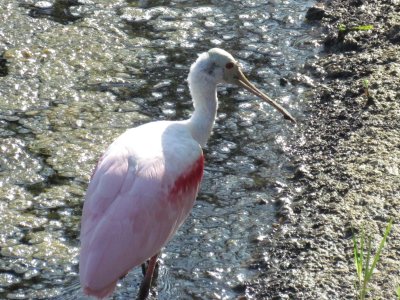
(144, 267)
(146, 283)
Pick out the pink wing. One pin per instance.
(132, 209)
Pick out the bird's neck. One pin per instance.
(204, 95)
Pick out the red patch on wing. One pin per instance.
(190, 179)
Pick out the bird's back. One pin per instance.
(142, 190)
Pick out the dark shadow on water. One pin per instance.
(58, 12)
(3, 66)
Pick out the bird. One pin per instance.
(146, 182)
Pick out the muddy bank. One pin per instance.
(347, 159)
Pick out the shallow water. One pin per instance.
(73, 77)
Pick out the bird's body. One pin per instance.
(145, 184)
(140, 186)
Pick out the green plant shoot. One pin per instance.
(362, 258)
(362, 28)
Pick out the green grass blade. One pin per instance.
(366, 274)
(357, 257)
(363, 27)
(381, 245)
(342, 27)
(362, 243)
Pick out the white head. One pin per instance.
(218, 66)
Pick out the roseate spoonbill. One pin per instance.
(145, 184)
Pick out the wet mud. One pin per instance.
(347, 159)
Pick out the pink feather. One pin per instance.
(136, 200)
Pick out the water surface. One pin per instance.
(74, 75)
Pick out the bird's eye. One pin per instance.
(229, 65)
